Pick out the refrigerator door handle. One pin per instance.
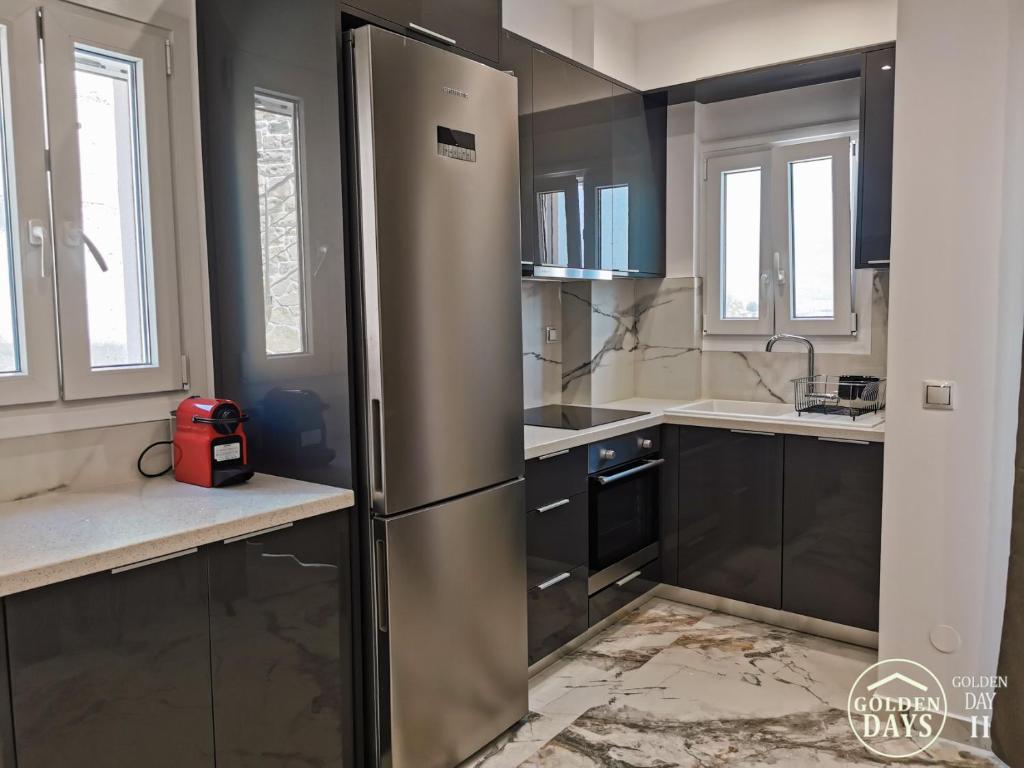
(381, 586)
(376, 458)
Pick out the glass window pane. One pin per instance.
(613, 226)
(112, 152)
(810, 183)
(553, 228)
(10, 345)
(741, 244)
(281, 235)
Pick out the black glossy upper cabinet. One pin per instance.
(572, 159)
(630, 216)
(113, 669)
(517, 58)
(282, 689)
(473, 26)
(272, 144)
(874, 193)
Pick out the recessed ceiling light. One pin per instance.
(886, 67)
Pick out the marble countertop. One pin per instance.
(65, 534)
(540, 441)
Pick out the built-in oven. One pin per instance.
(625, 477)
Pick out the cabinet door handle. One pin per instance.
(556, 580)
(844, 440)
(254, 534)
(553, 455)
(752, 432)
(626, 579)
(552, 505)
(154, 560)
(879, 261)
(431, 33)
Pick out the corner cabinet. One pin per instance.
(472, 26)
(832, 534)
(874, 186)
(730, 514)
(236, 654)
(592, 164)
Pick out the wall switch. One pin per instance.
(551, 335)
(938, 394)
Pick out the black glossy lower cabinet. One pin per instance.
(832, 530)
(730, 514)
(280, 689)
(556, 539)
(113, 670)
(556, 612)
(6, 724)
(613, 597)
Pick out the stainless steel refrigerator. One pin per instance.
(436, 151)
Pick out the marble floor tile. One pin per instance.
(672, 686)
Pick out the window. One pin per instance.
(278, 171)
(613, 227)
(777, 235)
(10, 326)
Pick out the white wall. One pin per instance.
(957, 303)
(742, 34)
(548, 22)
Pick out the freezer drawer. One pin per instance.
(452, 619)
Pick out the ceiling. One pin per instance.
(645, 10)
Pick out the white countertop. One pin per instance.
(66, 534)
(540, 441)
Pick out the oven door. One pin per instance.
(623, 521)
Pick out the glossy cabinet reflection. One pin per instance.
(730, 514)
(113, 670)
(832, 534)
(874, 187)
(281, 687)
(272, 144)
(6, 723)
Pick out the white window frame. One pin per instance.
(772, 154)
(64, 27)
(37, 381)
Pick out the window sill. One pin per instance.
(859, 344)
(51, 418)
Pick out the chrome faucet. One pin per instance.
(802, 340)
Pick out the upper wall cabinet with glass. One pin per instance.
(113, 254)
(472, 26)
(592, 161)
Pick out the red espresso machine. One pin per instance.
(209, 443)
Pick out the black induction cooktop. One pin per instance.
(575, 416)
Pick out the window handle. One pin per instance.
(37, 236)
(780, 273)
(74, 237)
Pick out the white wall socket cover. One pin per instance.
(939, 394)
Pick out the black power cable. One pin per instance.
(142, 455)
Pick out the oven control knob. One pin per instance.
(606, 454)
(646, 443)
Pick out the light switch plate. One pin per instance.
(939, 394)
(551, 335)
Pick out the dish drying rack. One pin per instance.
(851, 396)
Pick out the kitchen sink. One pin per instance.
(738, 408)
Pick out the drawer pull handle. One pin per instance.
(626, 579)
(844, 440)
(556, 580)
(552, 455)
(432, 33)
(647, 465)
(552, 505)
(254, 534)
(752, 432)
(154, 561)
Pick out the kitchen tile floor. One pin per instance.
(672, 685)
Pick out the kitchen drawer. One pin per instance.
(559, 475)
(556, 539)
(557, 613)
(606, 602)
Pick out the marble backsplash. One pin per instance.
(89, 458)
(643, 338)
